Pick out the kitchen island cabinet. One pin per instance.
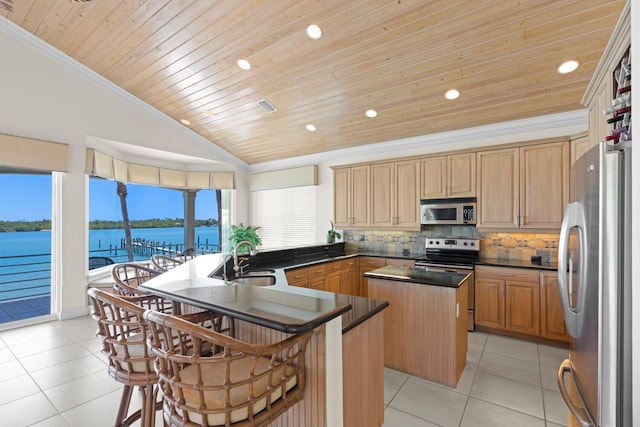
(425, 327)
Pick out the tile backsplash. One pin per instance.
(505, 246)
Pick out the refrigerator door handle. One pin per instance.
(574, 217)
(579, 412)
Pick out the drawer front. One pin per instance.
(507, 273)
(297, 275)
(372, 262)
(317, 270)
(334, 266)
(349, 263)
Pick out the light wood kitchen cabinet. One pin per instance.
(523, 187)
(317, 276)
(366, 264)
(395, 195)
(523, 307)
(351, 192)
(580, 144)
(508, 298)
(552, 324)
(350, 284)
(490, 302)
(521, 300)
(298, 277)
(425, 328)
(448, 176)
(498, 188)
(544, 185)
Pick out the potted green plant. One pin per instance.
(332, 234)
(241, 233)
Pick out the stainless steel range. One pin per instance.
(452, 255)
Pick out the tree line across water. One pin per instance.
(45, 224)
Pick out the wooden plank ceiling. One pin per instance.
(398, 57)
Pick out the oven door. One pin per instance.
(471, 299)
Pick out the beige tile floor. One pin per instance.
(53, 375)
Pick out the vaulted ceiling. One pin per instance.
(397, 57)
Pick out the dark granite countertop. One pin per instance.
(517, 263)
(282, 307)
(417, 275)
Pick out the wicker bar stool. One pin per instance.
(128, 276)
(242, 385)
(123, 333)
(164, 263)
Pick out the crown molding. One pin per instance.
(552, 125)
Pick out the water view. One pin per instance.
(25, 258)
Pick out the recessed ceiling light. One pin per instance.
(310, 127)
(371, 113)
(452, 94)
(568, 66)
(244, 64)
(185, 122)
(314, 32)
(208, 113)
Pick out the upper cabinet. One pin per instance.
(395, 195)
(351, 192)
(380, 195)
(498, 187)
(525, 187)
(448, 176)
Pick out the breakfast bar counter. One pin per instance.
(344, 359)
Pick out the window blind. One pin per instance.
(33, 154)
(286, 216)
(105, 166)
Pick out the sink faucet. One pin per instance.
(236, 266)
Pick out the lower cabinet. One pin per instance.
(366, 264)
(551, 316)
(519, 300)
(334, 276)
(490, 302)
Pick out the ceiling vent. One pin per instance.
(267, 106)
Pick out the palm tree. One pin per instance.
(122, 193)
(219, 204)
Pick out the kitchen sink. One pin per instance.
(256, 280)
(258, 272)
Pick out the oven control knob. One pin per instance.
(465, 243)
(431, 242)
(473, 243)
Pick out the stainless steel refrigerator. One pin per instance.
(594, 268)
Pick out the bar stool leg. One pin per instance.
(149, 397)
(125, 400)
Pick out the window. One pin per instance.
(286, 216)
(25, 245)
(156, 216)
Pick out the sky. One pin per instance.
(28, 198)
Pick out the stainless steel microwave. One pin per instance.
(448, 211)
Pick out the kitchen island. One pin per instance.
(425, 328)
(345, 352)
